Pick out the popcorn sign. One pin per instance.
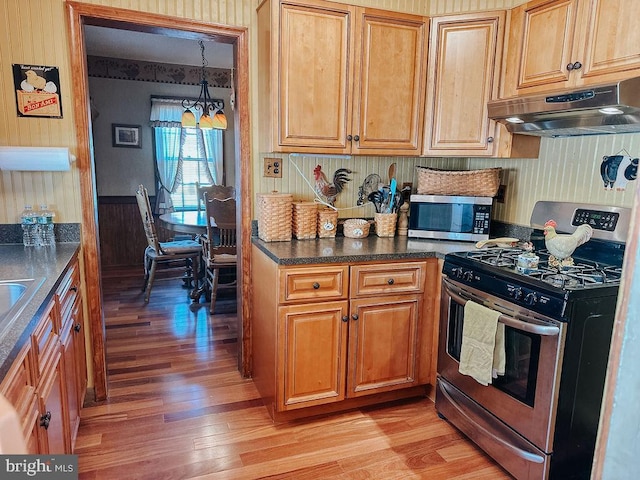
(37, 88)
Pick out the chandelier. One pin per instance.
(212, 114)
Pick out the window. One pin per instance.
(183, 157)
(193, 170)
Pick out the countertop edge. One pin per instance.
(348, 250)
(46, 263)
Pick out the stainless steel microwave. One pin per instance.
(450, 217)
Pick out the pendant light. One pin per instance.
(204, 103)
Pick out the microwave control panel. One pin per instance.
(481, 219)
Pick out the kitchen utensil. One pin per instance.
(500, 242)
(377, 199)
(392, 171)
(390, 208)
(371, 184)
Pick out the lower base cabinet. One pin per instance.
(47, 381)
(326, 336)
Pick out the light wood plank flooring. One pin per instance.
(179, 409)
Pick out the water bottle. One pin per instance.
(45, 235)
(29, 226)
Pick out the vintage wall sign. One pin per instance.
(37, 90)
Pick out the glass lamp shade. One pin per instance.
(220, 120)
(188, 119)
(206, 122)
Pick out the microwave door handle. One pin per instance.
(545, 330)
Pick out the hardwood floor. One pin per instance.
(179, 409)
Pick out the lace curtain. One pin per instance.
(165, 117)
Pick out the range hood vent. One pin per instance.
(605, 109)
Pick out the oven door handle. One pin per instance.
(546, 330)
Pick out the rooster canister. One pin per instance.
(562, 246)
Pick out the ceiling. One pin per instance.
(149, 47)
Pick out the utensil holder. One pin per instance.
(386, 224)
(327, 222)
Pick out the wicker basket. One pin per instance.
(305, 220)
(356, 228)
(327, 222)
(386, 224)
(475, 183)
(274, 219)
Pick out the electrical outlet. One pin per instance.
(273, 167)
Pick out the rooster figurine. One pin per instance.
(562, 246)
(330, 190)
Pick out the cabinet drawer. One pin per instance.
(387, 279)
(18, 383)
(68, 291)
(329, 282)
(44, 340)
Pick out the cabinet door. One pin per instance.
(388, 100)
(610, 40)
(312, 350)
(71, 383)
(53, 424)
(81, 352)
(541, 45)
(382, 344)
(464, 68)
(315, 68)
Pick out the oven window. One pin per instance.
(522, 351)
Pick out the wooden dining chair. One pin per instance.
(215, 191)
(220, 248)
(187, 252)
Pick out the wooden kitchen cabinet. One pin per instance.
(69, 305)
(560, 44)
(465, 53)
(336, 346)
(340, 79)
(47, 380)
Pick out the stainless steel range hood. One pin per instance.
(612, 108)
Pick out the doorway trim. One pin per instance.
(81, 14)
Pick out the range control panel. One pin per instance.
(599, 220)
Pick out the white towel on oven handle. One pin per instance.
(478, 349)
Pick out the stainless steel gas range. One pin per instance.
(539, 420)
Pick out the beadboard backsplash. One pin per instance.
(568, 169)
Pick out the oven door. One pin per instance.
(525, 397)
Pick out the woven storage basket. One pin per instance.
(327, 222)
(386, 224)
(475, 183)
(274, 219)
(305, 220)
(356, 228)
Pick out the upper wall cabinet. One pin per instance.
(340, 79)
(558, 44)
(464, 68)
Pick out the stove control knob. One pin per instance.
(457, 271)
(468, 275)
(517, 293)
(531, 299)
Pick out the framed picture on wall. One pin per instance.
(126, 135)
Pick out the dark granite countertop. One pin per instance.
(46, 264)
(353, 250)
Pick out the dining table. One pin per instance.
(193, 222)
